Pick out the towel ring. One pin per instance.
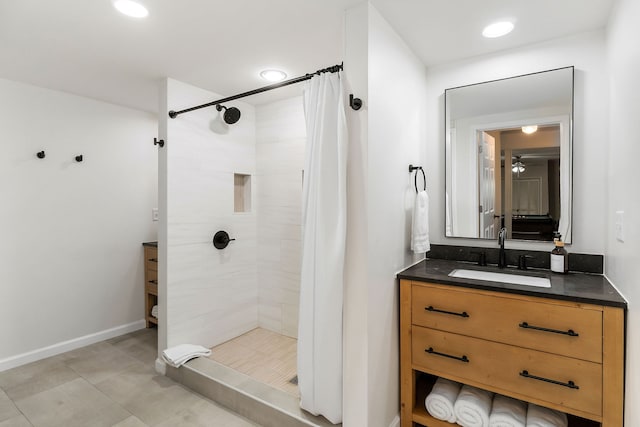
(415, 177)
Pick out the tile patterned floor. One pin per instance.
(263, 355)
(112, 384)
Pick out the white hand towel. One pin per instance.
(439, 403)
(507, 412)
(180, 354)
(537, 416)
(420, 225)
(473, 406)
(154, 311)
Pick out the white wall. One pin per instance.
(623, 146)
(71, 269)
(211, 294)
(280, 148)
(355, 314)
(394, 113)
(586, 52)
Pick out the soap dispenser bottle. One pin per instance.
(559, 256)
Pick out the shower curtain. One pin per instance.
(324, 218)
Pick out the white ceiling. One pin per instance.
(87, 48)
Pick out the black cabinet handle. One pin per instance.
(569, 384)
(153, 259)
(435, 310)
(153, 282)
(570, 332)
(464, 358)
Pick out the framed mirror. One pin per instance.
(509, 157)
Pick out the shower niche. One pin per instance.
(241, 193)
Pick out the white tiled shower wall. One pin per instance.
(215, 295)
(280, 145)
(211, 294)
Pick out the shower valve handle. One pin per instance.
(221, 239)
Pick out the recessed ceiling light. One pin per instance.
(131, 8)
(273, 75)
(529, 129)
(497, 29)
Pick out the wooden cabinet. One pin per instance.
(150, 282)
(563, 355)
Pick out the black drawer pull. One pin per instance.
(430, 350)
(570, 332)
(153, 282)
(435, 310)
(153, 259)
(569, 384)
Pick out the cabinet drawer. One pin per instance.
(564, 329)
(505, 367)
(151, 259)
(151, 281)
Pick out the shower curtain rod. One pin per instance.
(332, 69)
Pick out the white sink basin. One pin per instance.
(490, 276)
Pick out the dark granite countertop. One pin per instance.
(577, 287)
(152, 244)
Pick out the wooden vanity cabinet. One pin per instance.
(150, 283)
(563, 355)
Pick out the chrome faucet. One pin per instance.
(502, 256)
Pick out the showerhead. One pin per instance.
(231, 115)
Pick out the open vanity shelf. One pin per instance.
(571, 360)
(150, 282)
(420, 416)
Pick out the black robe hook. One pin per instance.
(355, 103)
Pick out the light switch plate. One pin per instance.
(620, 225)
(154, 214)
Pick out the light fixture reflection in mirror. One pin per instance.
(518, 167)
(508, 147)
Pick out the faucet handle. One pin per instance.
(522, 261)
(482, 258)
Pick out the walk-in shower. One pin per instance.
(242, 299)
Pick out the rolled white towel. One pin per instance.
(537, 416)
(154, 311)
(439, 403)
(507, 412)
(180, 354)
(473, 406)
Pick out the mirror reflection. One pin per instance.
(508, 157)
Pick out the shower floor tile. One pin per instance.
(263, 355)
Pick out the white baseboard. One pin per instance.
(62, 347)
(396, 422)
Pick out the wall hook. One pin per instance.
(159, 142)
(40, 154)
(355, 103)
(79, 158)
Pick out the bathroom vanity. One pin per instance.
(560, 347)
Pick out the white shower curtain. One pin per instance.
(324, 218)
